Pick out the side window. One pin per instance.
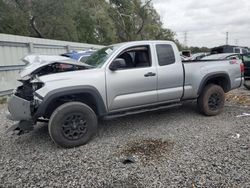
(136, 57)
(165, 54)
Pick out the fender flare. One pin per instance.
(214, 75)
(52, 95)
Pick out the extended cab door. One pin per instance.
(170, 73)
(134, 84)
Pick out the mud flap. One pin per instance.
(21, 127)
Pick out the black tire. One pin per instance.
(212, 99)
(247, 86)
(72, 124)
(247, 83)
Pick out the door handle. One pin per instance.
(150, 74)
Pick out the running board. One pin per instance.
(127, 113)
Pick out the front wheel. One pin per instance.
(212, 99)
(72, 124)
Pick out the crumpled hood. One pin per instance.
(89, 77)
(35, 62)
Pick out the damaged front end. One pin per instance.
(23, 104)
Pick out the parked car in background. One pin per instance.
(246, 61)
(186, 53)
(198, 56)
(230, 56)
(80, 56)
(184, 58)
(240, 50)
(229, 49)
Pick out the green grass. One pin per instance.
(3, 100)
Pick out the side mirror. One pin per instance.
(118, 63)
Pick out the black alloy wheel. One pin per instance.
(74, 126)
(214, 101)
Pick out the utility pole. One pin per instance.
(236, 42)
(185, 38)
(226, 38)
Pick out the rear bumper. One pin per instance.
(19, 108)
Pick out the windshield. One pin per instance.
(98, 58)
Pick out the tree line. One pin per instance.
(91, 21)
(88, 21)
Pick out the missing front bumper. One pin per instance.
(21, 127)
(19, 108)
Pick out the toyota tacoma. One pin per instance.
(118, 80)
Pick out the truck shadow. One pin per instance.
(116, 127)
(148, 119)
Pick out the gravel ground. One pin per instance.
(171, 148)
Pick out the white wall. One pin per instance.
(13, 48)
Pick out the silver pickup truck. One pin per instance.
(118, 80)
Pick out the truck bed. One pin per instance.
(197, 71)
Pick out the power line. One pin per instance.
(213, 33)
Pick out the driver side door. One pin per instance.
(134, 85)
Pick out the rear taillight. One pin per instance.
(242, 68)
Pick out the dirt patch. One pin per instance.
(239, 98)
(243, 100)
(145, 150)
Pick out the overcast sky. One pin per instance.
(207, 21)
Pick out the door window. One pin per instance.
(136, 57)
(165, 54)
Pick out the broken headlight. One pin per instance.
(37, 85)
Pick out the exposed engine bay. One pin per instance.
(28, 86)
(25, 91)
(37, 66)
(57, 67)
(49, 64)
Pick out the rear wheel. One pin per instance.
(212, 100)
(247, 84)
(72, 124)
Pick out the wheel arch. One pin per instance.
(86, 94)
(221, 79)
